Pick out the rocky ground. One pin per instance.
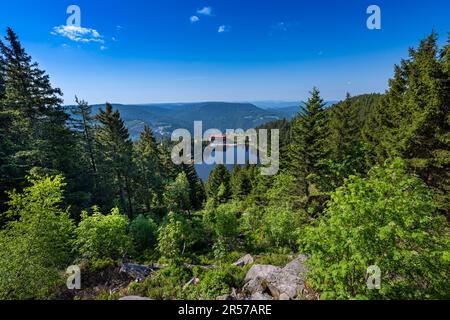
(262, 282)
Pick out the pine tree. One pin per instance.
(148, 177)
(307, 152)
(85, 125)
(412, 121)
(344, 145)
(117, 151)
(169, 170)
(240, 183)
(35, 129)
(219, 177)
(197, 195)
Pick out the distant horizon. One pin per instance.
(254, 102)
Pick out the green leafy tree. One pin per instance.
(36, 245)
(177, 194)
(223, 223)
(103, 236)
(175, 238)
(387, 220)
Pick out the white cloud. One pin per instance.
(223, 29)
(78, 34)
(207, 11)
(194, 19)
(103, 48)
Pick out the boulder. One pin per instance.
(134, 298)
(244, 261)
(297, 267)
(281, 284)
(260, 271)
(258, 296)
(136, 271)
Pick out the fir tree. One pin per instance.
(117, 152)
(344, 145)
(36, 133)
(307, 152)
(412, 121)
(240, 183)
(197, 188)
(148, 170)
(219, 177)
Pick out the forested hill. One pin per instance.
(164, 118)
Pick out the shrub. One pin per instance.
(217, 282)
(175, 237)
(144, 232)
(251, 225)
(36, 246)
(177, 194)
(223, 223)
(388, 220)
(166, 284)
(103, 236)
(280, 226)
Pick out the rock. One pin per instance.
(194, 281)
(135, 271)
(281, 284)
(297, 266)
(134, 298)
(258, 296)
(225, 297)
(284, 284)
(244, 261)
(260, 271)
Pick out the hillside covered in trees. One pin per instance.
(362, 183)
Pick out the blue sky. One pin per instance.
(222, 50)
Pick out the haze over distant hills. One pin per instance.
(166, 117)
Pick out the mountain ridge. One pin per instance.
(164, 118)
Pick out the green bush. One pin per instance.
(175, 238)
(281, 225)
(177, 194)
(167, 284)
(223, 223)
(220, 281)
(144, 232)
(388, 220)
(103, 236)
(37, 245)
(251, 225)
